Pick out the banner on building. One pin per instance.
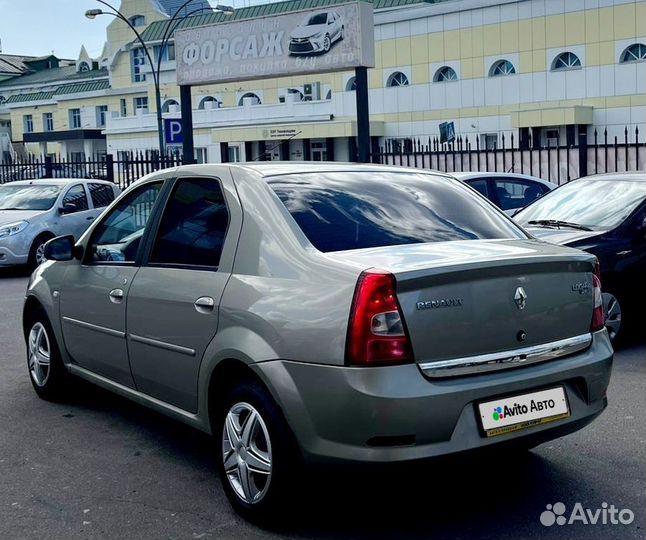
(334, 38)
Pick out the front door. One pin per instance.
(174, 299)
(93, 297)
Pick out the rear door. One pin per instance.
(77, 216)
(101, 196)
(173, 302)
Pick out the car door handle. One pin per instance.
(116, 296)
(90, 218)
(204, 304)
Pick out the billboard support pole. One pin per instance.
(188, 146)
(363, 114)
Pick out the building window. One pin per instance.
(123, 107)
(489, 141)
(140, 103)
(209, 102)
(84, 67)
(397, 79)
(351, 85)
(168, 104)
(137, 20)
(255, 100)
(502, 68)
(167, 55)
(234, 153)
(200, 155)
(138, 61)
(445, 74)
(48, 121)
(101, 114)
(635, 53)
(28, 123)
(75, 118)
(566, 61)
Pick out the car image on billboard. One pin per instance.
(316, 34)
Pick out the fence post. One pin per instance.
(109, 167)
(583, 154)
(49, 170)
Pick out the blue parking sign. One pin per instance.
(173, 131)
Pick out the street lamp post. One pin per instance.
(155, 69)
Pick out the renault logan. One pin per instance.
(307, 313)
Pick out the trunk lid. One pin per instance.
(463, 298)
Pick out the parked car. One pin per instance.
(604, 215)
(34, 211)
(317, 33)
(508, 191)
(308, 313)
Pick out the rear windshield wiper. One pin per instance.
(558, 224)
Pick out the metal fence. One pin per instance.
(553, 162)
(123, 171)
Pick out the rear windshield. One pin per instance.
(340, 211)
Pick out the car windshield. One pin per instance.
(595, 204)
(340, 211)
(319, 18)
(31, 197)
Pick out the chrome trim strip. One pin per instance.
(506, 359)
(162, 345)
(95, 327)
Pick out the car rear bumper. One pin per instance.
(395, 414)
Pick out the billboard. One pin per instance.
(333, 38)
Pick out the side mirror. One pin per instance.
(62, 248)
(67, 208)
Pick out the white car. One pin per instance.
(316, 33)
(35, 211)
(508, 191)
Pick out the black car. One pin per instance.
(605, 215)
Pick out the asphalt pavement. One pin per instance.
(99, 466)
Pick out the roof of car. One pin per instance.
(489, 174)
(56, 181)
(624, 175)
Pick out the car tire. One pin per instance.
(258, 461)
(613, 316)
(327, 44)
(47, 373)
(36, 252)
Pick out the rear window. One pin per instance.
(102, 194)
(339, 211)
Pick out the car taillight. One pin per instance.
(376, 333)
(598, 316)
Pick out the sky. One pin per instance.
(40, 27)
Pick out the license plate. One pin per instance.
(513, 413)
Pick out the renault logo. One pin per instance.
(520, 298)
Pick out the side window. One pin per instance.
(75, 200)
(193, 226)
(512, 194)
(118, 237)
(481, 186)
(102, 195)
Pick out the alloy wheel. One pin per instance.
(40, 254)
(246, 452)
(39, 354)
(326, 43)
(612, 311)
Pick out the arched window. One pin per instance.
(295, 92)
(397, 79)
(351, 85)
(137, 20)
(635, 53)
(565, 61)
(255, 100)
(168, 104)
(209, 102)
(502, 68)
(84, 67)
(445, 74)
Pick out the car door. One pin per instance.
(101, 196)
(93, 296)
(174, 300)
(75, 214)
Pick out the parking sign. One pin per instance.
(173, 131)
